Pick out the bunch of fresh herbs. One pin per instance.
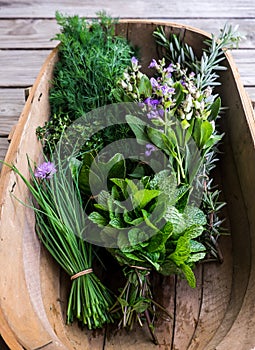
(181, 113)
(148, 221)
(60, 225)
(91, 59)
(145, 231)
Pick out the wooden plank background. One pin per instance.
(26, 29)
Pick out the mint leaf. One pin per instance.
(189, 275)
(143, 197)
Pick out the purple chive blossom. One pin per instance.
(45, 170)
(134, 61)
(191, 75)
(149, 149)
(153, 63)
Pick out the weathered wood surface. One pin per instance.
(26, 28)
(132, 8)
(37, 33)
(198, 315)
(17, 74)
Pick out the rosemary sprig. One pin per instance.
(205, 66)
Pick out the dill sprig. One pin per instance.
(91, 59)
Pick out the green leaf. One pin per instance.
(102, 200)
(196, 257)
(118, 169)
(202, 132)
(132, 186)
(194, 231)
(114, 167)
(156, 137)
(75, 166)
(122, 184)
(146, 217)
(129, 218)
(152, 258)
(213, 140)
(196, 247)
(144, 86)
(134, 257)
(138, 127)
(116, 222)
(176, 218)
(156, 243)
(179, 95)
(84, 175)
(189, 275)
(123, 241)
(168, 268)
(143, 197)
(206, 132)
(214, 109)
(182, 251)
(98, 219)
(167, 229)
(141, 305)
(194, 216)
(122, 302)
(136, 236)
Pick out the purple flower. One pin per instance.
(45, 170)
(161, 112)
(169, 70)
(153, 64)
(166, 90)
(149, 149)
(155, 113)
(152, 115)
(134, 61)
(183, 82)
(154, 82)
(151, 102)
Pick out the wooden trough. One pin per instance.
(218, 314)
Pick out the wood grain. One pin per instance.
(28, 25)
(11, 104)
(27, 33)
(20, 68)
(37, 33)
(3, 148)
(132, 8)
